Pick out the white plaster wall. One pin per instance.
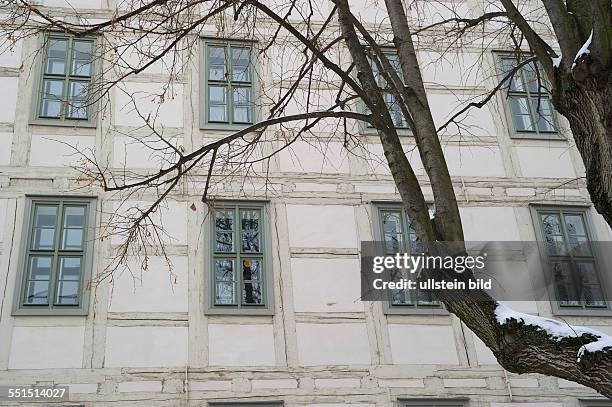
(451, 68)
(46, 347)
(146, 95)
(241, 345)
(146, 346)
(330, 226)
(59, 151)
(155, 290)
(483, 224)
(3, 226)
(327, 157)
(132, 153)
(551, 161)
(332, 344)
(10, 56)
(474, 161)
(426, 344)
(86, 4)
(326, 285)
(377, 163)
(6, 142)
(8, 102)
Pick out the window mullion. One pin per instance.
(54, 277)
(238, 240)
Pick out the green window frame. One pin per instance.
(64, 93)
(56, 258)
(394, 108)
(398, 235)
(228, 84)
(528, 105)
(567, 245)
(240, 279)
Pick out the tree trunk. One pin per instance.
(588, 108)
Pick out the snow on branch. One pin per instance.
(556, 329)
(584, 50)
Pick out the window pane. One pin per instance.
(53, 93)
(242, 96)
(68, 281)
(516, 83)
(395, 111)
(392, 222)
(520, 113)
(217, 113)
(251, 277)
(553, 237)
(544, 114)
(574, 225)
(56, 56)
(217, 70)
(39, 271)
(217, 102)
(224, 224)
(250, 222)
(77, 108)
(45, 219)
(81, 58)
(74, 223)
(224, 282)
(564, 284)
(240, 64)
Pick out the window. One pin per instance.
(240, 280)
(571, 258)
(394, 108)
(528, 101)
(399, 236)
(66, 80)
(228, 84)
(57, 255)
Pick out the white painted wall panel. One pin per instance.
(144, 346)
(8, 102)
(241, 345)
(330, 226)
(422, 344)
(6, 143)
(59, 151)
(332, 344)
(315, 157)
(483, 224)
(326, 285)
(146, 95)
(549, 162)
(48, 347)
(152, 290)
(474, 161)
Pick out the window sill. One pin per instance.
(370, 131)
(390, 310)
(536, 136)
(238, 311)
(582, 312)
(89, 124)
(224, 127)
(49, 312)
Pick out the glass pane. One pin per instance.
(520, 113)
(392, 222)
(579, 246)
(240, 64)
(242, 96)
(77, 108)
(72, 239)
(516, 83)
(427, 299)
(251, 269)
(242, 114)
(225, 242)
(393, 242)
(56, 56)
(251, 293)
(593, 296)
(45, 219)
(587, 273)
(574, 225)
(53, 89)
(217, 113)
(81, 58)
(51, 108)
(68, 281)
(553, 238)
(395, 111)
(216, 94)
(217, 64)
(564, 284)
(250, 223)
(74, 217)
(531, 77)
(225, 294)
(224, 270)
(37, 290)
(224, 219)
(544, 114)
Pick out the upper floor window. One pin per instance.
(390, 100)
(239, 270)
(66, 80)
(571, 258)
(529, 105)
(399, 237)
(228, 83)
(57, 256)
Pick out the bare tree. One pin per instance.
(138, 35)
